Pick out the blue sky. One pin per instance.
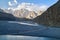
(5, 4)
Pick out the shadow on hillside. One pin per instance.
(9, 17)
(50, 17)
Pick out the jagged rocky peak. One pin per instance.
(24, 13)
(21, 13)
(31, 15)
(51, 16)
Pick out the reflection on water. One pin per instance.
(15, 37)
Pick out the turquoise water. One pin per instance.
(15, 37)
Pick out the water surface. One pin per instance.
(15, 37)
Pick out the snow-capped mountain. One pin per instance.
(23, 13)
(27, 10)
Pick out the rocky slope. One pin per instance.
(51, 16)
(24, 13)
(6, 16)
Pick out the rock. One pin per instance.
(24, 13)
(51, 16)
(6, 16)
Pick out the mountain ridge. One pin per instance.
(51, 16)
(23, 13)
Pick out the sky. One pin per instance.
(7, 4)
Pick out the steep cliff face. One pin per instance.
(51, 16)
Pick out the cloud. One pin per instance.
(12, 3)
(9, 3)
(30, 7)
(25, 5)
(15, 1)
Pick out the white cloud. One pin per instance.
(12, 3)
(25, 5)
(15, 1)
(9, 3)
(30, 7)
(10, 8)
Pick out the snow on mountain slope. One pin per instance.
(23, 13)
